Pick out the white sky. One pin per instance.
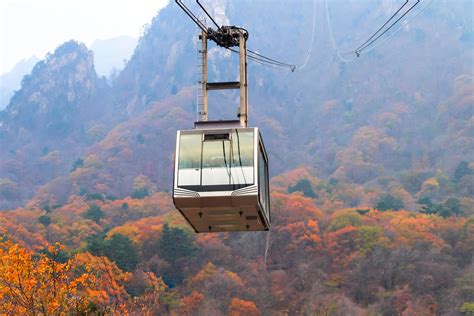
(36, 27)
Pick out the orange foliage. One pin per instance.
(22, 227)
(191, 303)
(296, 219)
(150, 300)
(240, 307)
(138, 231)
(157, 204)
(206, 272)
(30, 285)
(294, 207)
(109, 289)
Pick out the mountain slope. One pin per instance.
(377, 218)
(59, 111)
(372, 117)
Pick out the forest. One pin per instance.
(371, 164)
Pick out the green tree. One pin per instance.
(140, 193)
(176, 246)
(427, 206)
(79, 162)
(140, 139)
(96, 244)
(389, 202)
(95, 196)
(304, 186)
(451, 207)
(120, 249)
(44, 220)
(94, 213)
(462, 170)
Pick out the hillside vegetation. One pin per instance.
(372, 190)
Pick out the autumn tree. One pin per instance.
(33, 285)
(142, 187)
(218, 285)
(107, 294)
(191, 303)
(240, 307)
(148, 293)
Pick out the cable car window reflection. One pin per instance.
(189, 160)
(216, 162)
(242, 157)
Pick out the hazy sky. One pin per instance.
(36, 27)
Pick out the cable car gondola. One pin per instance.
(221, 167)
(221, 178)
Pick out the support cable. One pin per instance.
(207, 13)
(373, 35)
(398, 29)
(265, 62)
(392, 25)
(222, 38)
(310, 50)
(333, 42)
(191, 15)
(271, 59)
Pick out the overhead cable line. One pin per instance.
(371, 43)
(333, 42)
(225, 37)
(271, 60)
(191, 15)
(207, 13)
(358, 51)
(398, 29)
(388, 21)
(265, 61)
(310, 49)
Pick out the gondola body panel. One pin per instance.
(221, 178)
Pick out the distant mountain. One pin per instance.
(11, 81)
(111, 55)
(371, 160)
(377, 116)
(61, 109)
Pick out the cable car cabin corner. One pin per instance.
(221, 177)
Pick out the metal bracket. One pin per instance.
(241, 36)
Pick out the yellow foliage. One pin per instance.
(429, 184)
(33, 286)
